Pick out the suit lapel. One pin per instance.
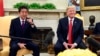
(75, 25)
(19, 24)
(66, 24)
(20, 27)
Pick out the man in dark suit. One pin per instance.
(22, 27)
(63, 32)
(92, 42)
(97, 29)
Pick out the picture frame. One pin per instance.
(90, 4)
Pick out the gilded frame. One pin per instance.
(83, 7)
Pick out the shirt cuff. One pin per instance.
(75, 44)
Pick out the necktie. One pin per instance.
(70, 32)
(23, 23)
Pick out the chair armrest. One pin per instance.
(1, 44)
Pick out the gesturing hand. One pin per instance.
(30, 20)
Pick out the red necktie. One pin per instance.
(70, 32)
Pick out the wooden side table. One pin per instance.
(88, 32)
(1, 44)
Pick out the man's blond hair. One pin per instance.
(70, 7)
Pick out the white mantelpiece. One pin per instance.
(39, 14)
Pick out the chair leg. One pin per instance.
(1, 44)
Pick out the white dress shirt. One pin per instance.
(72, 24)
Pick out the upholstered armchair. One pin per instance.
(4, 30)
(80, 17)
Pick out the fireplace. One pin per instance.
(40, 36)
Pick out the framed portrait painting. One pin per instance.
(90, 4)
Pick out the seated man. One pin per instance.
(95, 44)
(21, 27)
(69, 32)
(97, 29)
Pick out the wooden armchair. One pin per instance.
(4, 30)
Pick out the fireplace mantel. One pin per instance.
(39, 13)
(36, 10)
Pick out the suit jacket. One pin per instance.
(97, 29)
(17, 31)
(77, 31)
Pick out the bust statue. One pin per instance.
(91, 20)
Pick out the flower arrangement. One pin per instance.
(35, 5)
(77, 52)
(48, 6)
(17, 5)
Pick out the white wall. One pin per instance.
(60, 4)
(87, 14)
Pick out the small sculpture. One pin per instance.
(91, 20)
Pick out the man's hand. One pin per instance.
(30, 20)
(21, 45)
(73, 46)
(65, 45)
